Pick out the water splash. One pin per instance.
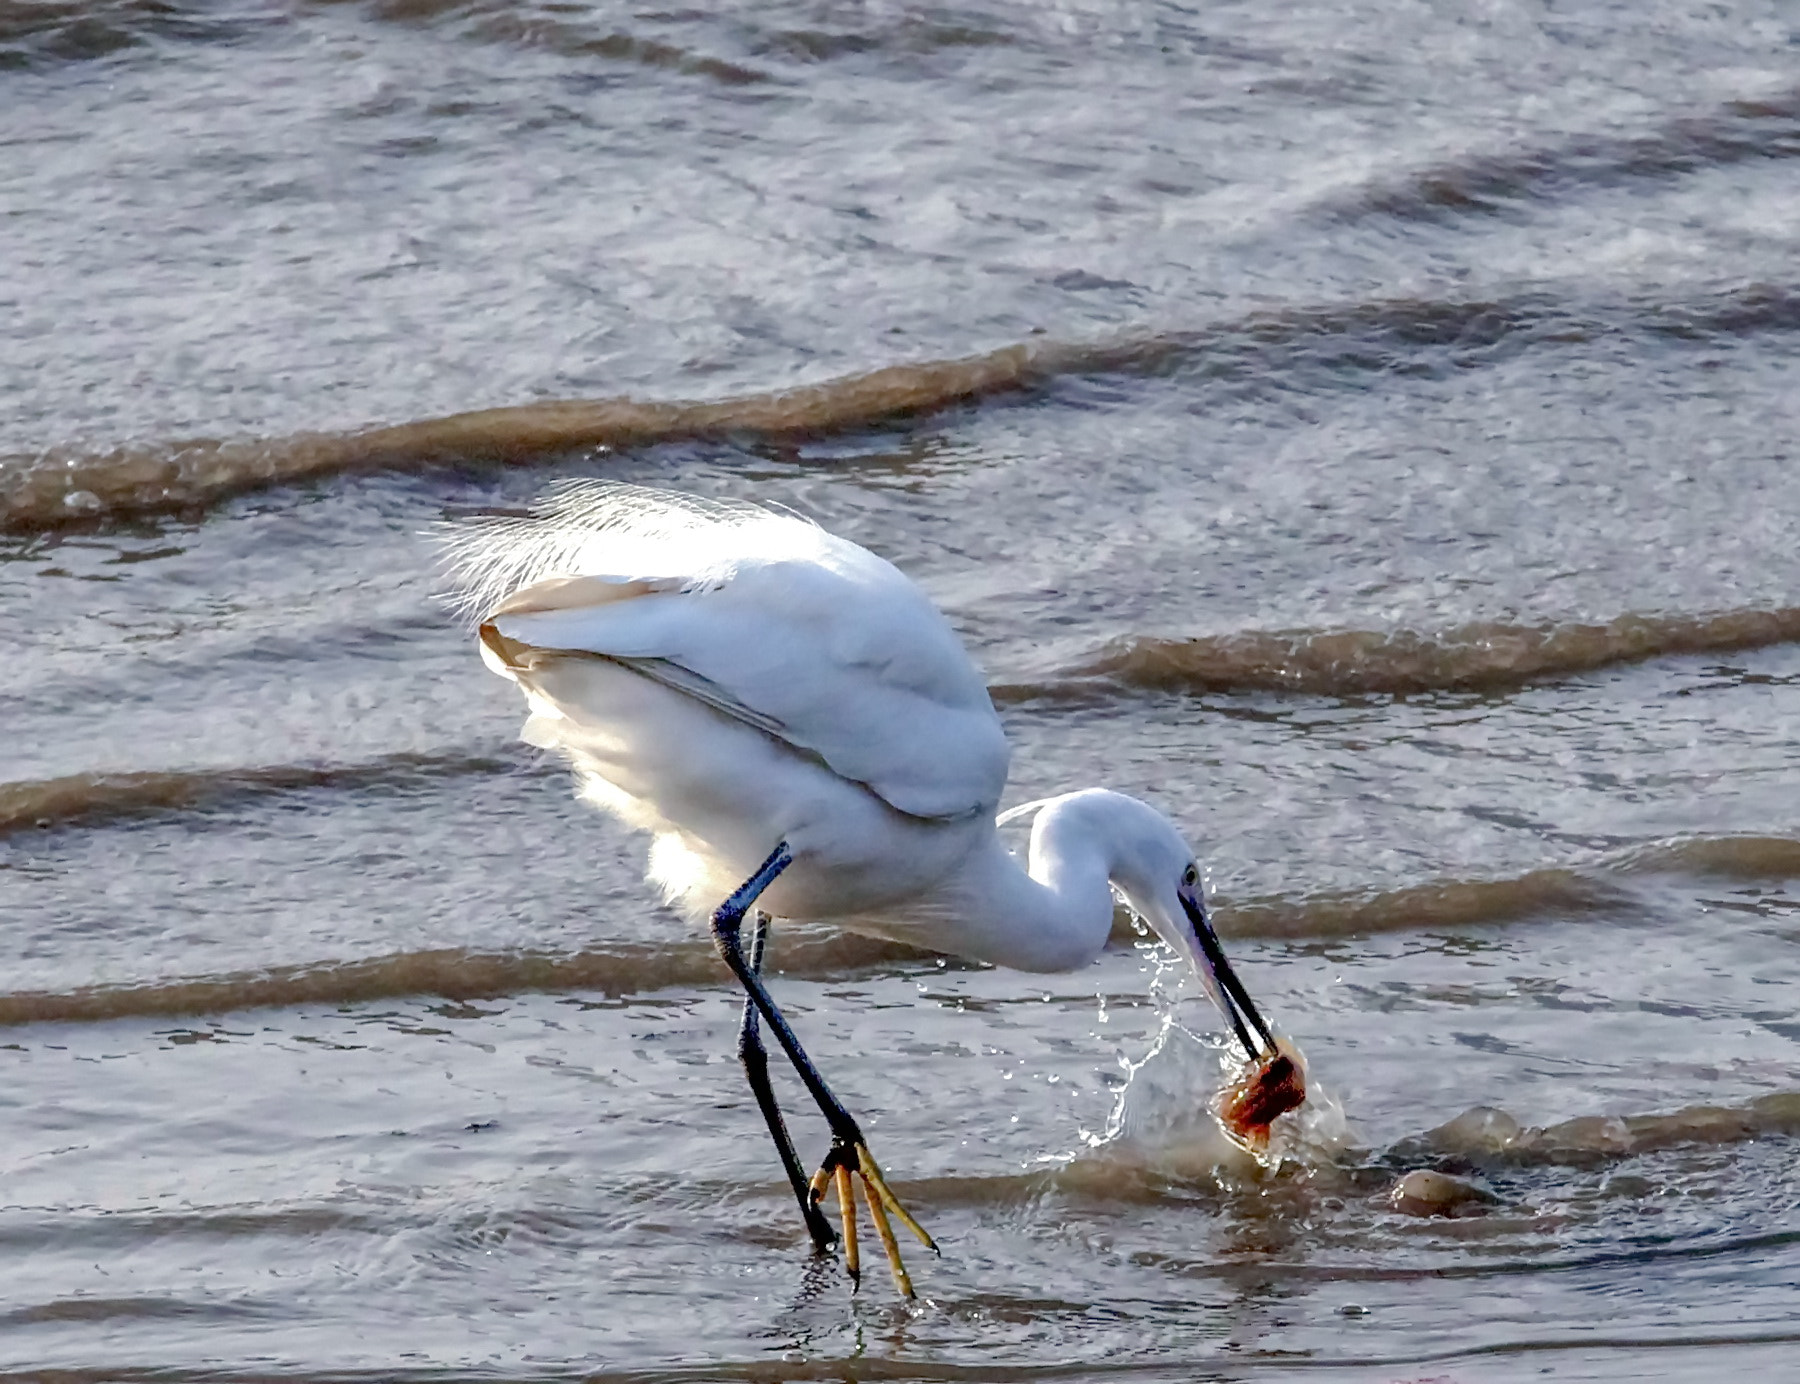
(1162, 1113)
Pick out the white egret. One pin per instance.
(802, 732)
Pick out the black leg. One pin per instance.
(727, 924)
(849, 1156)
(756, 1071)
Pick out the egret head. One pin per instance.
(1155, 870)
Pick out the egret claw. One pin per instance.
(871, 1174)
(847, 1159)
(878, 1213)
(847, 1209)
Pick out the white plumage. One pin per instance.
(727, 677)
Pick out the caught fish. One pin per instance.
(1269, 1087)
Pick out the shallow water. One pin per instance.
(1365, 431)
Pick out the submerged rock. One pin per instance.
(1482, 1129)
(1425, 1193)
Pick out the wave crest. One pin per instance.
(452, 973)
(61, 487)
(58, 488)
(1479, 656)
(97, 798)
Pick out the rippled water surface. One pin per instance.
(1364, 430)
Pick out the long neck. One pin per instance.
(1053, 916)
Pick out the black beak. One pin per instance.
(1237, 1003)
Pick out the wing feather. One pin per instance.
(774, 622)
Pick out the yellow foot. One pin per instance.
(843, 1161)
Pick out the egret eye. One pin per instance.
(1191, 876)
